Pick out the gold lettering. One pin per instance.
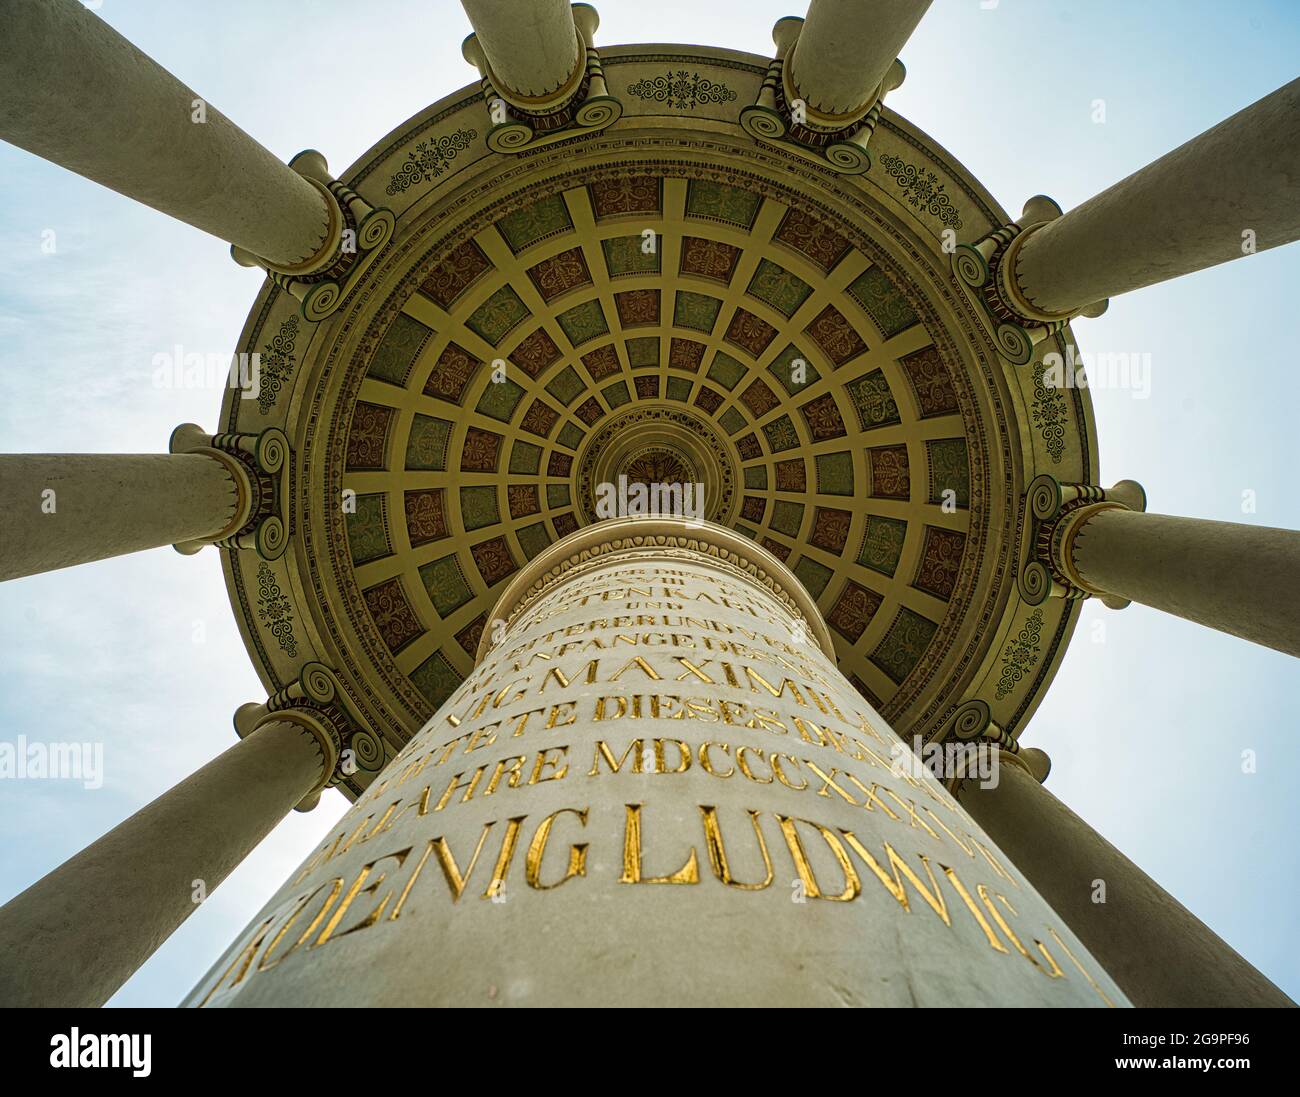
(707, 765)
(683, 760)
(450, 869)
(743, 763)
(537, 850)
(603, 751)
(689, 873)
(933, 897)
(640, 663)
(499, 870)
(356, 889)
(852, 882)
(780, 773)
(514, 765)
(691, 668)
(718, 854)
(453, 786)
(543, 762)
(336, 888)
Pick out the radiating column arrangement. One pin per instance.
(532, 47)
(824, 90)
(656, 762)
(542, 77)
(1240, 579)
(1231, 191)
(1086, 540)
(76, 935)
(1226, 194)
(1158, 952)
(63, 509)
(844, 50)
(138, 130)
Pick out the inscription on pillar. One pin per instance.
(655, 788)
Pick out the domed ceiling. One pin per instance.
(667, 300)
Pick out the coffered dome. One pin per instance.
(667, 300)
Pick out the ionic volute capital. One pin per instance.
(356, 233)
(316, 703)
(988, 268)
(971, 724)
(581, 104)
(782, 114)
(258, 466)
(1056, 512)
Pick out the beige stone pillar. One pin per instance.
(136, 129)
(1240, 579)
(532, 47)
(75, 936)
(1227, 193)
(656, 789)
(844, 50)
(1155, 949)
(63, 509)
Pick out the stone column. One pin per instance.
(532, 47)
(844, 50)
(75, 936)
(138, 130)
(1157, 951)
(63, 509)
(656, 789)
(1227, 193)
(1240, 579)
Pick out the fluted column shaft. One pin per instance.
(1244, 580)
(1191, 209)
(125, 122)
(1158, 952)
(76, 935)
(845, 48)
(532, 45)
(63, 509)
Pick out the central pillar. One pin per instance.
(656, 789)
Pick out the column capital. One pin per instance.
(1056, 514)
(1031, 761)
(988, 267)
(580, 104)
(316, 703)
(357, 232)
(258, 467)
(783, 112)
(971, 723)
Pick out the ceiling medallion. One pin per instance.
(658, 444)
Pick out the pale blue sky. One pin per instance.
(1146, 721)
